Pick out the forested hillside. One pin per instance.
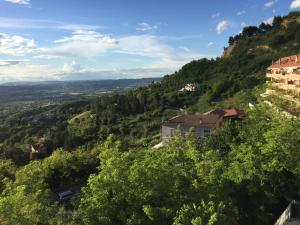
(246, 173)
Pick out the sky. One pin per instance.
(111, 39)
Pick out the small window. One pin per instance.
(206, 132)
(175, 132)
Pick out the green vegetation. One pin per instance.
(135, 115)
(245, 173)
(239, 175)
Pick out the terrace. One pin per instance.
(284, 76)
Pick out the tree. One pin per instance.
(231, 40)
(139, 186)
(277, 41)
(277, 21)
(265, 27)
(206, 214)
(250, 31)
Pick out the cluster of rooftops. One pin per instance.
(204, 124)
(289, 61)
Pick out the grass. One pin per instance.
(83, 116)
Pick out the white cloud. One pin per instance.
(162, 55)
(91, 44)
(15, 45)
(88, 44)
(269, 4)
(186, 49)
(295, 4)
(269, 20)
(27, 71)
(81, 43)
(144, 45)
(210, 44)
(241, 13)
(24, 23)
(222, 26)
(243, 24)
(180, 38)
(9, 62)
(94, 74)
(47, 57)
(87, 36)
(146, 27)
(71, 67)
(216, 15)
(20, 2)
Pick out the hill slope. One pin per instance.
(243, 174)
(135, 116)
(251, 52)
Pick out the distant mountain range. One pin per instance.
(46, 90)
(87, 82)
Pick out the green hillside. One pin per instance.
(246, 173)
(135, 116)
(252, 51)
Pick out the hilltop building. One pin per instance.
(285, 74)
(192, 87)
(284, 83)
(202, 124)
(39, 150)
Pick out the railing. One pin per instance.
(287, 87)
(292, 213)
(292, 76)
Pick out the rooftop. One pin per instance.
(210, 118)
(227, 113)
(289, 61)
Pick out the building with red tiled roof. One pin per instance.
(202, 124)
(38, 150)
(285, 74)
(286, 62)
(227, 113)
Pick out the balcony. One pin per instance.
(291, 216)
(289, 76)
(288, 87)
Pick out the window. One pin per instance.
(175, 132)
(206, 132)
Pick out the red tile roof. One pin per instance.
(194, 120)
(210, 118)
(289, 61)
(38, 146)
(233, 113)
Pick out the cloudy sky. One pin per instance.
(110, 39)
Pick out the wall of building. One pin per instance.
(169, 131)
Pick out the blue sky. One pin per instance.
(111, 39)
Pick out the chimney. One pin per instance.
(297, 58)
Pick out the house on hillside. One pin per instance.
(192, 87)
(38, 150)
(285, 74)
(202, 124)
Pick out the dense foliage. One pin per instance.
(246, 173)
(135, 116)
